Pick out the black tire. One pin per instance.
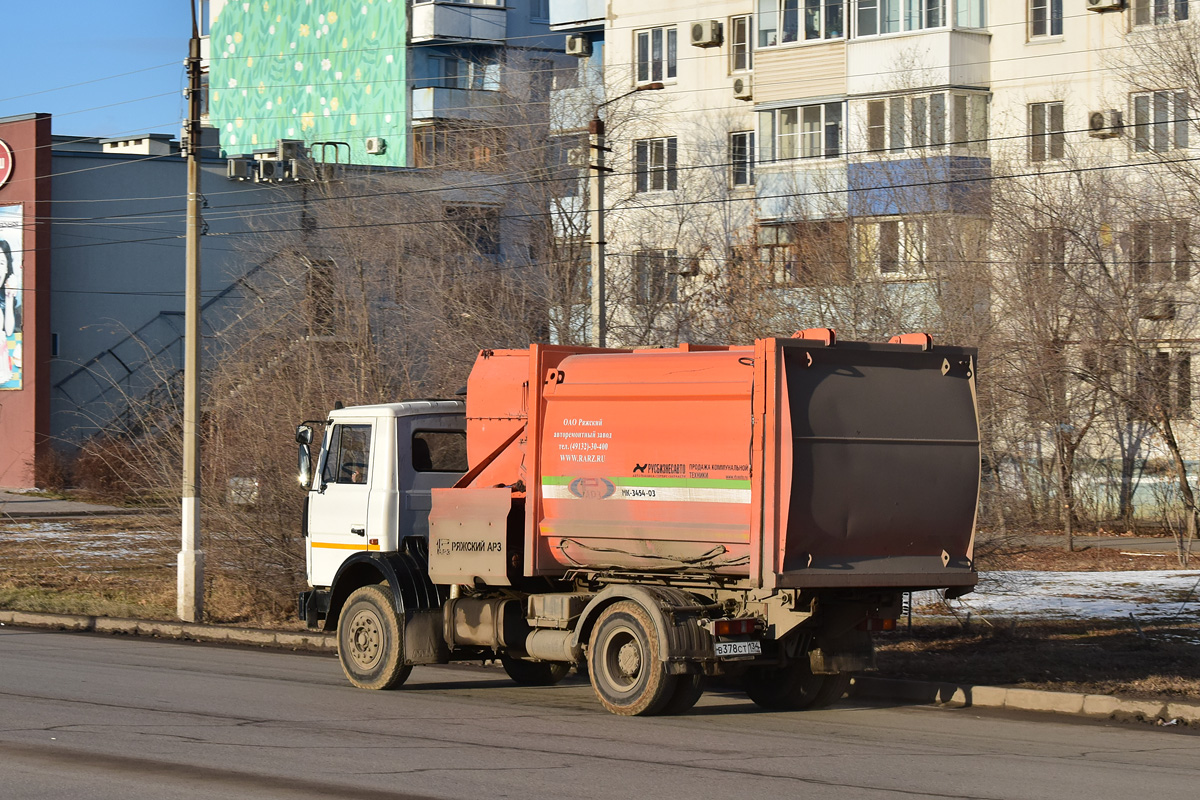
(625, 664)
(371, 640)
(834, 689)
(792, 687)
(534, 673)
(688, 689)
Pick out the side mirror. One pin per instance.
(304, 437)
(305, 464)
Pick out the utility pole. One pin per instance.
(596, 226)
(191, 557)
(596, 214)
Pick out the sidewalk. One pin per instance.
(15, 505)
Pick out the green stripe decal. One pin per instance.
(690, 483)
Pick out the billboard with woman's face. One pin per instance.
(11, 301)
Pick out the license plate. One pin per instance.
(731, 649)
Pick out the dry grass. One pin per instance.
(1095, 657)
(122, 566)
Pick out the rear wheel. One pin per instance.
(371, 639)
(534, 673)
(625, 664)
(688, 689)
(793, 687)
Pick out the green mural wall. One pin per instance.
(317, 70)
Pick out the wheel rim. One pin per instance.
(623, 660)
(366, 640)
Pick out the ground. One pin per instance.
(125, 566)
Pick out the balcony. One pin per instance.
(800, 188)
(939, 57)
(459, 22)
(435, 102)
(935, 184)
(573, 14)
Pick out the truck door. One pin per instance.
(437, 458)
(338, 501)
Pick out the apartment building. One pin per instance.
(384, 83)
(905, 163)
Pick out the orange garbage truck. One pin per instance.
(650, 516)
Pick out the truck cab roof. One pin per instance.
(402, 409)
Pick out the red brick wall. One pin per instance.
(25, 412)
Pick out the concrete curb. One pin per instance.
(285, 640)
(1096, 706)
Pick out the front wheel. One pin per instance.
(625, 664)
(534, 673)
(371, 639)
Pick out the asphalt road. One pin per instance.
(85, 716)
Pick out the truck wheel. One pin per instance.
(534, 673)
(624, 662)
(371, 640)
(788, 688)
(832, 690)
(688, 689)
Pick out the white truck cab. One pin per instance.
(371, 486)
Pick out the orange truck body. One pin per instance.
(801, 463)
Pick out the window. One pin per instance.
(1160, 121)
(893, 16)
(802, 132)
(439, 451)
(1048, 246)
(349, 455)
(1159, 251)
(319, 290)
(655, 165)
(539, 10)
(457, 146)
(451, 72)
(478, 227)
(779, 21)
(1164, 383)
(655, 277)
(1045, 18)
(971, 14)
(895, 247)
(814, 253)
(741, 54)
(1158, 12)
(655, 54)
(741, 158)
(917, 121)
(1046, 136)
(541, 79)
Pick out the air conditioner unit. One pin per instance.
(376, 145)
(578, 45)
(1105, 124)
(578, 157)
(239, 169)
(288, 149)
(268, 170)
(1156, 308)
(743, 88)
(706, 33)
(686, 265)
(1105, 5)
